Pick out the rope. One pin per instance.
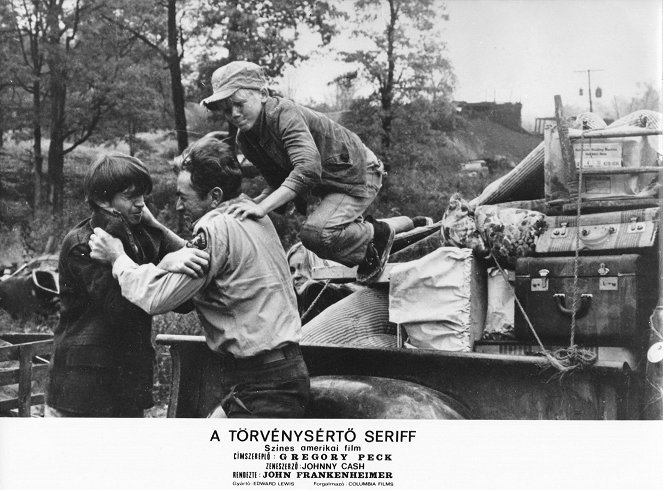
(573, 357)
(576, 256)
(308, 310)
(554, 362)
(564, 360)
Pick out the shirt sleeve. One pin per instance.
(154, 290)
(302, 151)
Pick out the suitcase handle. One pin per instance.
(593, 241)
(585, 303)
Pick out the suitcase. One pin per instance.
(616, 296)
(617, 230)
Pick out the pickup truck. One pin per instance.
(498, 380)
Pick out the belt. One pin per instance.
(288, 351)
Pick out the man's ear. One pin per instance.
(264, 94)
(217, 196)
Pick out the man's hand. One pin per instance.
(246, 209)
(190, 261)
(104, 247)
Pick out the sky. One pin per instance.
(528, 51)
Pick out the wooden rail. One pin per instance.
(25, 366)
(621, 170)
(614, 133)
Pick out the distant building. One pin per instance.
(507, 114)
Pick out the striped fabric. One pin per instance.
(526, 177)
(359, 320)
(640, 119)
(588, 120)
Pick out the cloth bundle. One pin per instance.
(459, 228)
(509, 232)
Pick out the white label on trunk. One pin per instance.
(598, 154)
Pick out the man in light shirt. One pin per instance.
(245, 300)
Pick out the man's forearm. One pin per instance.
(152, 289)
(278, 198)
(170, 234)
(263, 195)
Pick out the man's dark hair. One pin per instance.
(113, 173)
(212, 164)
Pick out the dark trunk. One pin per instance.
(176, 79)
(36, 133)
(131, 130)
(36, 56)
(58, 92)
(387, 90)
(56, 147)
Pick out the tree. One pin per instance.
(25, 58)
(75, 64)
(406, 58)
(84, 60)
(260, 31)
(255, 30)
(649, 97)
(162, 31)
(143, 101)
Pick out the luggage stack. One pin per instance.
(569, 235)
(592, 277)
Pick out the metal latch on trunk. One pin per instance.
(540, 283)
(635, 227)
(560, 232)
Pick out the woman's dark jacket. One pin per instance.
(103, 356)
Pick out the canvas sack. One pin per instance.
(440, 299)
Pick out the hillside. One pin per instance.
(481, 138)
(423, 187)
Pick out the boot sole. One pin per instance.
(371, 278)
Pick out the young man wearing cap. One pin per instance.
(245, 300)
(302, 153)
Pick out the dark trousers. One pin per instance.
(274, 389)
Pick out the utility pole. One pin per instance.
(589, 85)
